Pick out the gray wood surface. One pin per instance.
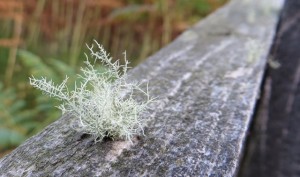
(274, 148)
(207, 82)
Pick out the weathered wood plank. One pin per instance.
(275, 140)
(207, 82)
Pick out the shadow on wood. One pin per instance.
(275, 140)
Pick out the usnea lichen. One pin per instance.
(103, 102)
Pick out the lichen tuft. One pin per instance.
(103, 102)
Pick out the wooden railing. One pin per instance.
(207, 82)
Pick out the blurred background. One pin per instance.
(48, 37)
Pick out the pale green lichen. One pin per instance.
(254, 50)
(103, 102)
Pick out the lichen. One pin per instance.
(103, 102)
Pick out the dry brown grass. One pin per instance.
(12, 10)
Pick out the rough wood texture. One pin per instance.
(275, 143)
(207, 82)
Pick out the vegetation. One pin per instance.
(104, 102)
(46, 38)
